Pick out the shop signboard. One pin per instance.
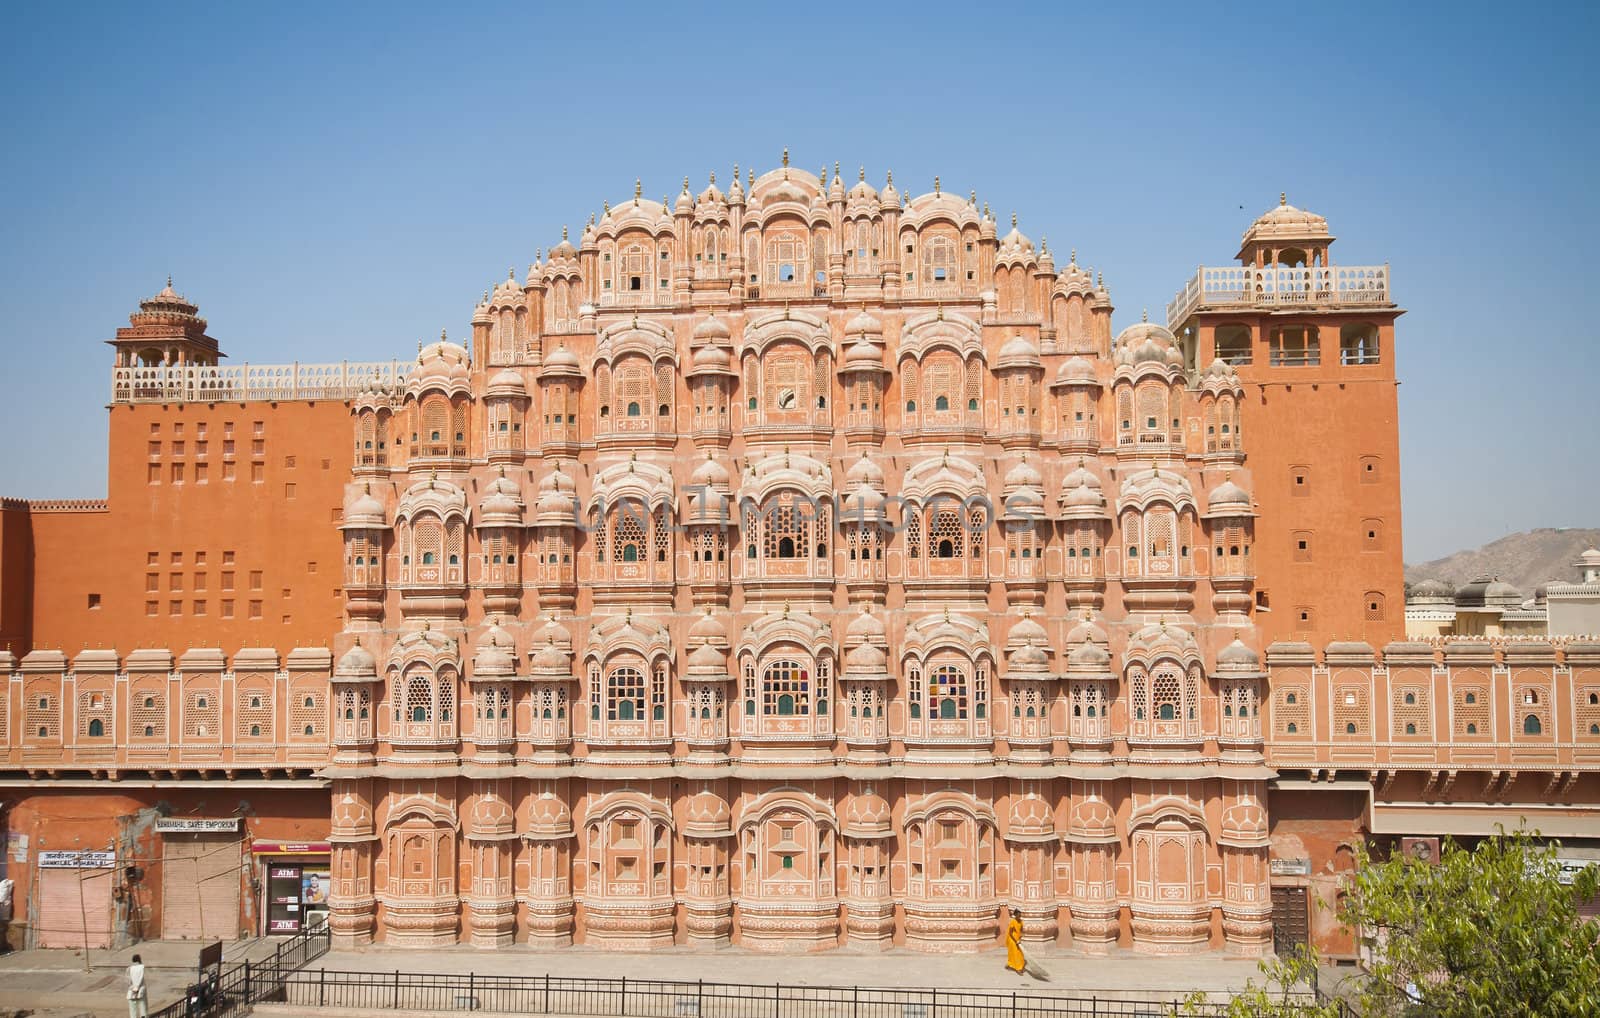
(197, 825)
(75, 860)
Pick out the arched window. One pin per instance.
(1531, 725)
(97, 728)
(786, 688)
(948, 693)
(625, 695)
(419, 699)
(1166, 694)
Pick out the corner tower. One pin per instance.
(1313, 343)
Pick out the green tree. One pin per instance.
(1487, 931)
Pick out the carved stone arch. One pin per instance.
(773, 800)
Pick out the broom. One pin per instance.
(1034, 969)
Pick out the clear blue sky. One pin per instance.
(337, 185)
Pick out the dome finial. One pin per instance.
(939, 315)
(605, 207)
(786, 157)
(750, 175)
(1013, 220)
(714, 176)
(1144, 316)
(685, 185)
(1044, 244)
(169, 280)
(511, 274)
(936, 187)
(1074, 259)
(836, 171)
(563, 231)
(861, 173)
(442, 337)
(890, 177)
(986, 210)
(972, 197)
(638, 189)
(1283, 197)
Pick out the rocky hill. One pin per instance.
(1523, 560)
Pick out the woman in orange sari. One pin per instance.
(1014, 959)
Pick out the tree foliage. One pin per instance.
(1487, 931)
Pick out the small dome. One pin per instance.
(496, 653)
(1433, 590)
(711, 360)
(1076, 371)
(1026, 630)
(443, 363)
(366, 511)
(501, 503)
(711, 329)
(549, 816)
(550, 660)
(711, 474)
(357, 663)
(1088, 659)
(863, 355)
(1229, 495)
(889, 197)
(868, 815)
(1086, 631)
(707, 660)
(865, 627)
(1029, 658)
(708, 628)
(863, 324)
(1023, 474)
(562, 361)
(1018, 352)
(1488, 592)
(557, 499)
(865, 471)
(507, 383)
(868, 658)
(707, 815)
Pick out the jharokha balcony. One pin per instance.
(1273, 286)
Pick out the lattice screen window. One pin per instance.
(625, 695)
(5, 718)
(663, 389)
(1350, 711)
(1027, 701)
(974, 385)
(254, 716)
(1587, 713)
(419, 699)
(1167, 696)
(941, 382)
(1152, 408)
(1471, 713)
(1531, 711)
(94, 713)
(447, 697)
(1139, 685)
(661, 535)
(1291, 711)
(1413, 718)
(945, 535)
(628, 533)
(307, 713)
(147, 714)
(202, 715)
(42, 714)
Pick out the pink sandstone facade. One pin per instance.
(802, 565)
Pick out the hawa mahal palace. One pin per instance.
(796, 564)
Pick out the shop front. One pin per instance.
(294, 878)
(200, 877)
(75, 899)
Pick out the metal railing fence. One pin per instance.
(374, 992)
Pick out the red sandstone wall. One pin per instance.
(277, 517)
(1326, 424)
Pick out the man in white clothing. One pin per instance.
(138, 995)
